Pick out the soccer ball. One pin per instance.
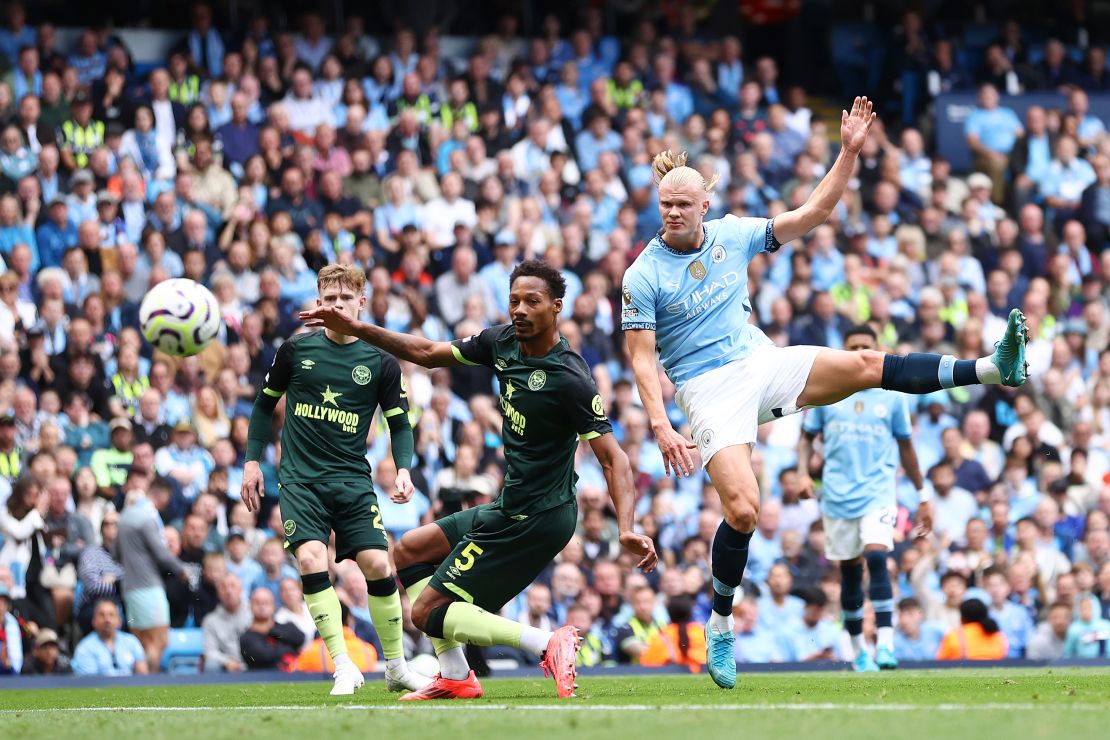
(179, 317)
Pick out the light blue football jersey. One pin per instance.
(861, 456)
(697, 302)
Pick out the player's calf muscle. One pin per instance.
(837, 374)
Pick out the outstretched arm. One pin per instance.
(418, 350)
(675, 447)
(854, 128)
(618, 476)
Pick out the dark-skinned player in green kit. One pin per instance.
(333, 383)
(479, 559)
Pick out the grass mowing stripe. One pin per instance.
(583, 707)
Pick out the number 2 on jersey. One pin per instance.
(466, 559)
(377, 517)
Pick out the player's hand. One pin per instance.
(855, 126)
(253, 488)
(924, 519)
(403, 489)
(676, 452)
(805, 485)
(328, 317)
(641, 545)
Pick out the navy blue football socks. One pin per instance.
(880, 590)
(730, 557)
(920, 373)
(851, 596)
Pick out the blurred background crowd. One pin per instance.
(436, 152)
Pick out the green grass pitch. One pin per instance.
(939, 705)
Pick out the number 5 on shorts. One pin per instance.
(466, 560)
(377, 517)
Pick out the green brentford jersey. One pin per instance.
(547, 403)
(331, 392)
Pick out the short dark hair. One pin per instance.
(864, 329)
(908, 603)
(556, 285)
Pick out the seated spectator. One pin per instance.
(100, 574)
(632, 639)
(977, 638)
(1015, 622)
(47, 658)
(753, 643)
(1051, 636)
(107, 651)
(681, 642)
(914, 638)
(815, 638)
(11, 647)
(266, 644)
(294, 610)
(1089, 634)
(223, 627)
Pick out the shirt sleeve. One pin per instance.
(900, 425)
(393, 391)
(281, 371)
(752, 235)
(477, 349)
(584, 406)
(637, 302)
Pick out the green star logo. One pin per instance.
(330, 396)
(509, 391)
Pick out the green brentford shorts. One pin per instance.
(500, 556)
(312, 511)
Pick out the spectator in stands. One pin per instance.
(11, 646)
(266, 644)
(144, 557)
(1047, 643)
(1089, 634)
(294, 610)
(977, 638)
(107, 651)
(914, 638)
(99, 572)
(815, 638)
(1014, 621)
(47, 657)
(223, 627)
(991, 132)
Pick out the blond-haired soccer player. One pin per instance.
(686, 297)
(333, 383)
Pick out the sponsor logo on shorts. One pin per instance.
(697, 270)
(361, 375)
(719, 254)
(290, 527)
(453, 571)
(536, 380)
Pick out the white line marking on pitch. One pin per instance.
(585, 707)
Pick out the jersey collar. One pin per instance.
(684, 253)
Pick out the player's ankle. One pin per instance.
(342, 660)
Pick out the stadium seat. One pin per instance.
(184, 652)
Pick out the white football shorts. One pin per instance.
(726, 405)
(845, 539)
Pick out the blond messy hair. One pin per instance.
(670, 169)
(346, 276)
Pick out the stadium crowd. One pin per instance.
(249, 160)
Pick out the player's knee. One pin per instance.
(870, 366)
(403, 552)
(741, 513)
(374, 564)
(420, 611)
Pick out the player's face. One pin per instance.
(858, 342)
(532, 309)
(682, 209)
(347, 300)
